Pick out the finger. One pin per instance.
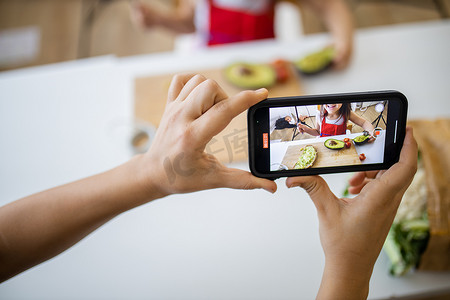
(137, 13)
(359, 177)
(203, 97)
(356, 189)
(339, 63)
(317, 189)
(220, 115)
(190, 85)
(341, 57)
(239, 179)
(177, 84)
(135, 10)
(392, 183)
(399, 176)
(337, 60)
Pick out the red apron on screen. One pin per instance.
(229, 26)
(332, 129)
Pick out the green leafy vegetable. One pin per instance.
(410, 231)
(405, 243)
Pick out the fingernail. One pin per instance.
(292, 185)
(270, 190)
(261, 90)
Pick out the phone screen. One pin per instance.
(333, 130)
(333, 134)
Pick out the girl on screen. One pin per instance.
(332, 119)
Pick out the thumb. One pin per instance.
(239, 179)
(215, 119)
(317, 189)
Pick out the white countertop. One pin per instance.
(58, 123)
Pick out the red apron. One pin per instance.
(332, 129)
(229, 26)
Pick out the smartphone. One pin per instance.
(319, 134)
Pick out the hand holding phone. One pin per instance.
(340, 133)
(351, 251)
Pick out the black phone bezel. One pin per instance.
(257, 122)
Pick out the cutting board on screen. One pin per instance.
(231, 144)
(325, 157)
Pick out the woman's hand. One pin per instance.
(352, 231)
(339, 21)
(197, 109)
(40, 226)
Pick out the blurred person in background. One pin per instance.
(217, 22)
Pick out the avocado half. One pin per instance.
(250, 76)
(334, 144)
(361, 139)
(316, 62)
